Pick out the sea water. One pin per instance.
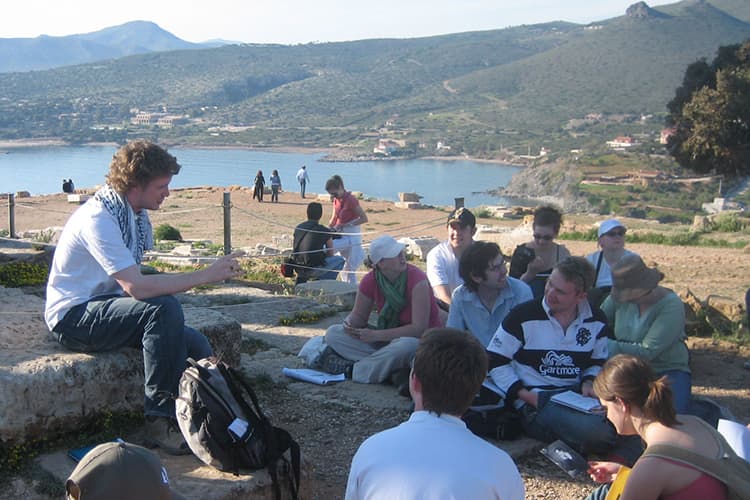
(40, 170)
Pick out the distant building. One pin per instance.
(388, 146)
(665, 134)
(164, 120)
(622, 142)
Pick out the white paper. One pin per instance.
(238, 427)
(578, 402)
(313, 376)
(737, 435)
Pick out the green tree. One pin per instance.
(711, 114)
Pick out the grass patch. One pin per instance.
(253, 345)
(686, 238)
(106, 426)
(306, 317)
(17, 274)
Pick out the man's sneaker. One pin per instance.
(163, 432)
(332, 362)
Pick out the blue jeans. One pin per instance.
(302, 185)
(156, 325)
(330, 268)
(586, 432)
(681, 384)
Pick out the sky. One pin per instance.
(297, 21)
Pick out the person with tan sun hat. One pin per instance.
(649, 322)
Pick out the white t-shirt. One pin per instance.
(604, 278)
(89, 252)
(442, 267)
(429, 458)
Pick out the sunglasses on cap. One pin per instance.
(545, 237)
(615, 232)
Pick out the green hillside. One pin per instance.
(478, 92)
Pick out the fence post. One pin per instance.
(226, 204)
(458, 202)
(11, 215)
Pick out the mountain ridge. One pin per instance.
(479, 91)
(46, 52)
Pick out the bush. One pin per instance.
(728, 223)
(17, 274)
(167, 232)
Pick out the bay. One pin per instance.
(40, 170)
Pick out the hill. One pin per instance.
(479, 92)
(44, 52)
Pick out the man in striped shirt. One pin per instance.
(552, 344)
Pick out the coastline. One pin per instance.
(330, 153)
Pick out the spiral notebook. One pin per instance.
(313, 376)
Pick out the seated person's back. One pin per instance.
(433, 454)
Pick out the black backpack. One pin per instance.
(224, 431)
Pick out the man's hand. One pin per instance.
(529, 397)
(587, 389)
(226, 267)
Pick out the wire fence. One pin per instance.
(227, 208)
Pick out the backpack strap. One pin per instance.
(598, 266)
(727, 467)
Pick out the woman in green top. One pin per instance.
(649, 322)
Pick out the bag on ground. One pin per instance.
(225, 431)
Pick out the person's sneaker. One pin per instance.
(332, 362)
(163, 432)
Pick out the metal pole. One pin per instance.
(11, 215)
(227, 223)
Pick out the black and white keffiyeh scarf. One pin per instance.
(118, 206)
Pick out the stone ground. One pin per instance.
(330, 422)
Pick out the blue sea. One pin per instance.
(40, 170)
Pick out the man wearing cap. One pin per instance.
(433, 454)
(611, 240)
(552, 344)
(98, 300)
(406, 307)
(442, 261)
(119, 471)
(488, 293)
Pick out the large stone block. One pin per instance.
(328, 292)
(419, 247)
(46, 389)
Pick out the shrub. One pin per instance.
(17, 274)
(728, 223)
(167, 232)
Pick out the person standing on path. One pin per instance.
(259, 185)
(303, 179)
(346, 220)
(275, 186)
(98, 300)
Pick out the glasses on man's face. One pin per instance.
(616, 232)
(497, 267)
(545, 237)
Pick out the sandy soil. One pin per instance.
(198, 214)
